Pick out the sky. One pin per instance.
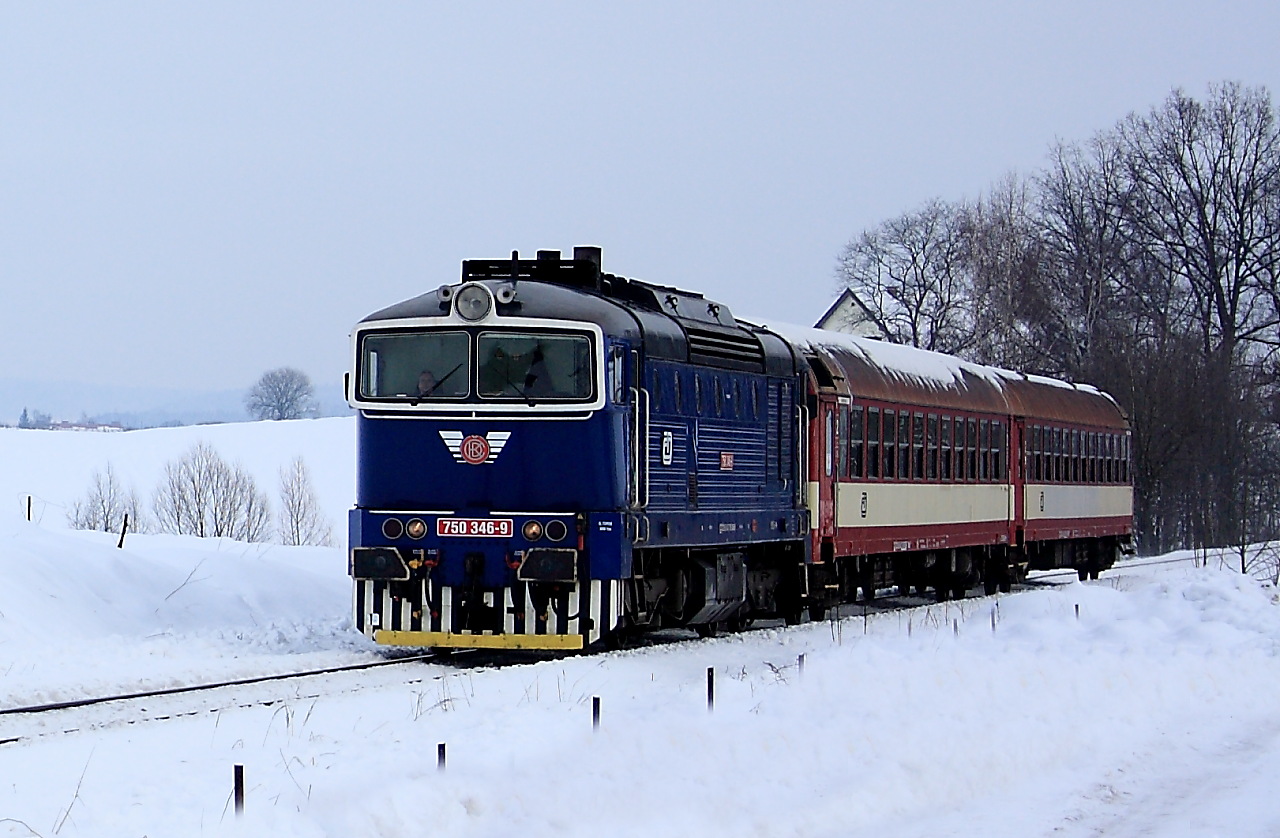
(191, 194)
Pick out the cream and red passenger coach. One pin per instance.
(927, 471)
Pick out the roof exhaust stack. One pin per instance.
(588, 254)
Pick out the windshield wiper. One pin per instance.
(432, 389)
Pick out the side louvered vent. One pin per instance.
(729, 349)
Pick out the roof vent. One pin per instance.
(588, 254)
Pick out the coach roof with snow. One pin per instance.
(873, 369)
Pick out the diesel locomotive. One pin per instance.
(550, 456)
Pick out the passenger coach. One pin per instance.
(928, 472)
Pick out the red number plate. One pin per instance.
(476, 527)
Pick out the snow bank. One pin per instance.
(1141, 704)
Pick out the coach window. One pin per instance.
(856, 440)
(917, 446)
(873, 442)
(1091, 451)
(829, 449)
(984, 449)
(1110, 454)
(931, 449)
(971, 450)
(945, 451)
(889, 444)
(1124, 459)
(904, 445)
(997, 450)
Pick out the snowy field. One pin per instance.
(1143, 704)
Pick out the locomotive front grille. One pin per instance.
(533, 615)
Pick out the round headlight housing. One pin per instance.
(532, 530)
(392, 528)
(416, 528)
(557, 530)
(473, 302)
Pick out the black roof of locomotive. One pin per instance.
(673, 324)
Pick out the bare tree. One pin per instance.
(300, 520)
(105, 506)
(1014, 320)
(908, 276)
(202, 495)
(284, 393)
(1146, 261)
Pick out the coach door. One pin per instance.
(1018, 473)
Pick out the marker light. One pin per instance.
(532, 530)
(392, 528)
(416, 528)
(473, 302)
(557, 530)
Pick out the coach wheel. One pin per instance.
(943, 593)
(1093, 573)
(959, 592)
(817, 613)
(1006, 583)
(1082, 573)
(989, 584)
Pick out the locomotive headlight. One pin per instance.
(473, 302)
(557, 530)
(392, 528)
(532, 530)
(416, 528)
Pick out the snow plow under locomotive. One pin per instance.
(550, 455)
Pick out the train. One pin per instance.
(553, 457)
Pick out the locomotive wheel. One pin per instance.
(707, 629)
(1082, 573)
(1006, 584)
(817, 613)
(959, 592)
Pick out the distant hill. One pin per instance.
(132, 407)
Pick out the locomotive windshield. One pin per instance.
(493, 366)
(415, 365)
(534, 366)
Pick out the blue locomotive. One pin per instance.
(550, 455)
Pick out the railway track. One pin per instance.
(26, 722)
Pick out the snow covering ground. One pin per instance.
(1150, 710)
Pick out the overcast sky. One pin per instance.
(191, 194)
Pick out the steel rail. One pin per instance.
(194, 688)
